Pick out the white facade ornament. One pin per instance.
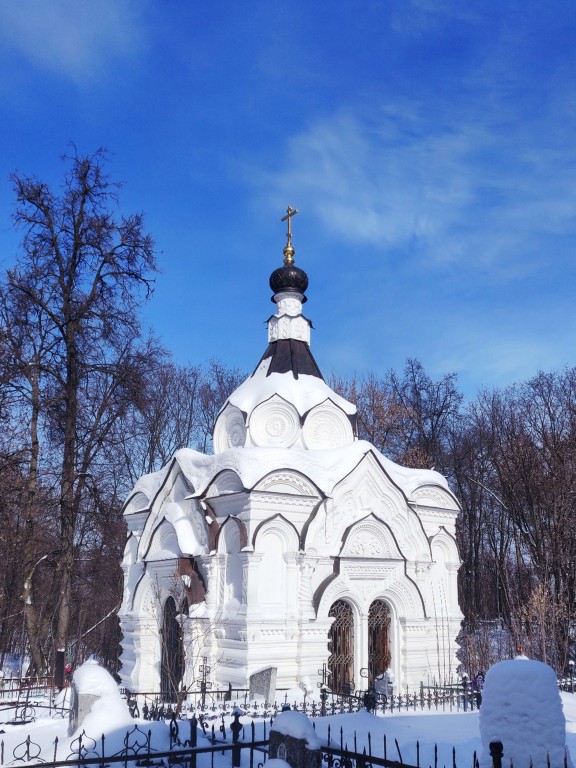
(327, 426)
(274, 424)
(230, 430)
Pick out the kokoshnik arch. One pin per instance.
(295, 544)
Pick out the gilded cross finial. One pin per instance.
(289, 250)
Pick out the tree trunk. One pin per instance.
(30, 551)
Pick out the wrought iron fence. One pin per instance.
(24, 700)
(446, 699)
(137, 748)
(339, 749)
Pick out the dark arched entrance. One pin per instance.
(378, 640)
(341, 659)
(172, 667)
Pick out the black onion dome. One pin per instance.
(289, 278)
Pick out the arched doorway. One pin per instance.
(172, 666)
(341, 659)
(378, 640)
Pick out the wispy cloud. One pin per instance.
(78, 40)
(458, 184)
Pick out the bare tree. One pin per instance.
(81, 275)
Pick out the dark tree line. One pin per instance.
(510, 457)
(89, 402)
(78, 377)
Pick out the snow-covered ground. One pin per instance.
(459, 730)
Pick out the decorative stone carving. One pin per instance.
(288, 326)
(274, 424)
(230, 430)
(434, 496)
(263, 683)
(327, 426)
(287, 482)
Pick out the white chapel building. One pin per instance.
(293, 546)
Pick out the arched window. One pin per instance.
(378, 640)
(341, 659)
(172, 666)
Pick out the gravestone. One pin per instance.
(293, 739)
(263, 683)
(80, 705)
(95, 694)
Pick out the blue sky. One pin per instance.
(429, 145)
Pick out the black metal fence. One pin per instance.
(226, 746)
(212, 704)
(137, 749)
(23, 700)
(184, 751)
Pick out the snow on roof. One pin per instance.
(522, 708)
(304, 392)
(325, 468)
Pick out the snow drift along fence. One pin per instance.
(185, 753)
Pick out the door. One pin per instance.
(341, 659)
(378, 640)
(172, 667)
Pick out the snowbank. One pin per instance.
(521, 707)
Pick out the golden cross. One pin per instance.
(289, 213)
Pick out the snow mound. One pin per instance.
(109, 711)
(297, 725)
(276, 762)
(522, 708)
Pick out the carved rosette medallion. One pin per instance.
(326, 426)
(274, 424)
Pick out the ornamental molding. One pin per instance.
(434, 497)
(274, 424)
(287, 482)
(230, 429)
(433, 513)
(372, 571)
(327, 426)
(370, 538)
(289, 326)
(283, 500)
(395, 588)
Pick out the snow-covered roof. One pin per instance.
(325, 468)
(304, 393)
(283, 418)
